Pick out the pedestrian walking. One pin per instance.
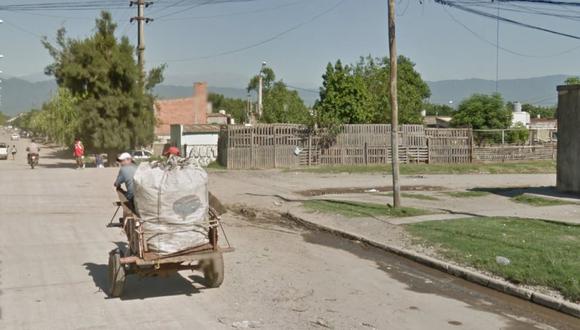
(79, 153)
(99, 161)
(13, 152)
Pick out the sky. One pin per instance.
(225, 43)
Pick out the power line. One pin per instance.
(265, 41)
(261, 10)
(503, 19)
(505, 49)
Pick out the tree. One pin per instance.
(368, 81)
(116, 102)
(572, 80)
(438, 110)
(284, 106)
(235, 107)
(280, 104)
(543, 112)
(483, 112)
(59, 118)
(344, 98)
(3, 118)
(268, 79)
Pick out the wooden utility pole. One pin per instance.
(394, 105)
(141, 20)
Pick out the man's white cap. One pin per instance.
(124, 156)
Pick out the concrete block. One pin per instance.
(547, 301)
(570, 308)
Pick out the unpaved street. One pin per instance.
(54, 248)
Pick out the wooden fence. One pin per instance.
(503, 153)
(272, 146)
(284, 146)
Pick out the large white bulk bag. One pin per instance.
(172, 202)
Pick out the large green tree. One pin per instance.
(481, 111)
(344, 98)
(116, 102)
(280, 105)
(360, 93)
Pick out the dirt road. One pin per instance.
(53, 254)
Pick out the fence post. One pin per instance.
(309, 149)
(428, 151)
(366, 153)
(502, 137)
(471, 146)
(252, 147)
(275, 144)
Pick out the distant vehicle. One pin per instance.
(14, 137)
(141, 155)
(3, 151)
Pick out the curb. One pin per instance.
(565, 307)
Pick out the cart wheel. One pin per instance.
(213, 271)
(116, 274)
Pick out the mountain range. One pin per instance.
(19, 95)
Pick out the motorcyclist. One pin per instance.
(32, 149)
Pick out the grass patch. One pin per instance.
(541, 253)
(359, 209)
(215, 165)
(466, 194)
(547, 166)
(539, 201)
(416, 196)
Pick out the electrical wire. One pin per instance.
(262, 42)
(261, 10)
(505, 49)
(503, 19)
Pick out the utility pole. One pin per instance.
(141, 20)
(260, 87)
(394, 105)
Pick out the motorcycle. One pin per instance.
(33, 160)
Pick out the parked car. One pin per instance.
(3, 151)
(141, 155)
(14, 137)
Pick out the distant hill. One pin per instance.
(538, 90)
(20, 95)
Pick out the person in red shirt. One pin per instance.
(173, 150)
(79, 153)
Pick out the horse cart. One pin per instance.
(138, 259)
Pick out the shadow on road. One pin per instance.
(70, 165)
(143, 288)
(549, 191)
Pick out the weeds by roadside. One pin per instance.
(539, 201)
(539, 252)
(359, 209)
(466, 194)
(416, 196)
(532, 167)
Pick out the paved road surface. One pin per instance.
(53, 254)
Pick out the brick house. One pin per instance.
(186, 111)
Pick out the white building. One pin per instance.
(197, 141)
(519, 116)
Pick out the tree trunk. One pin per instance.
(111, 158)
